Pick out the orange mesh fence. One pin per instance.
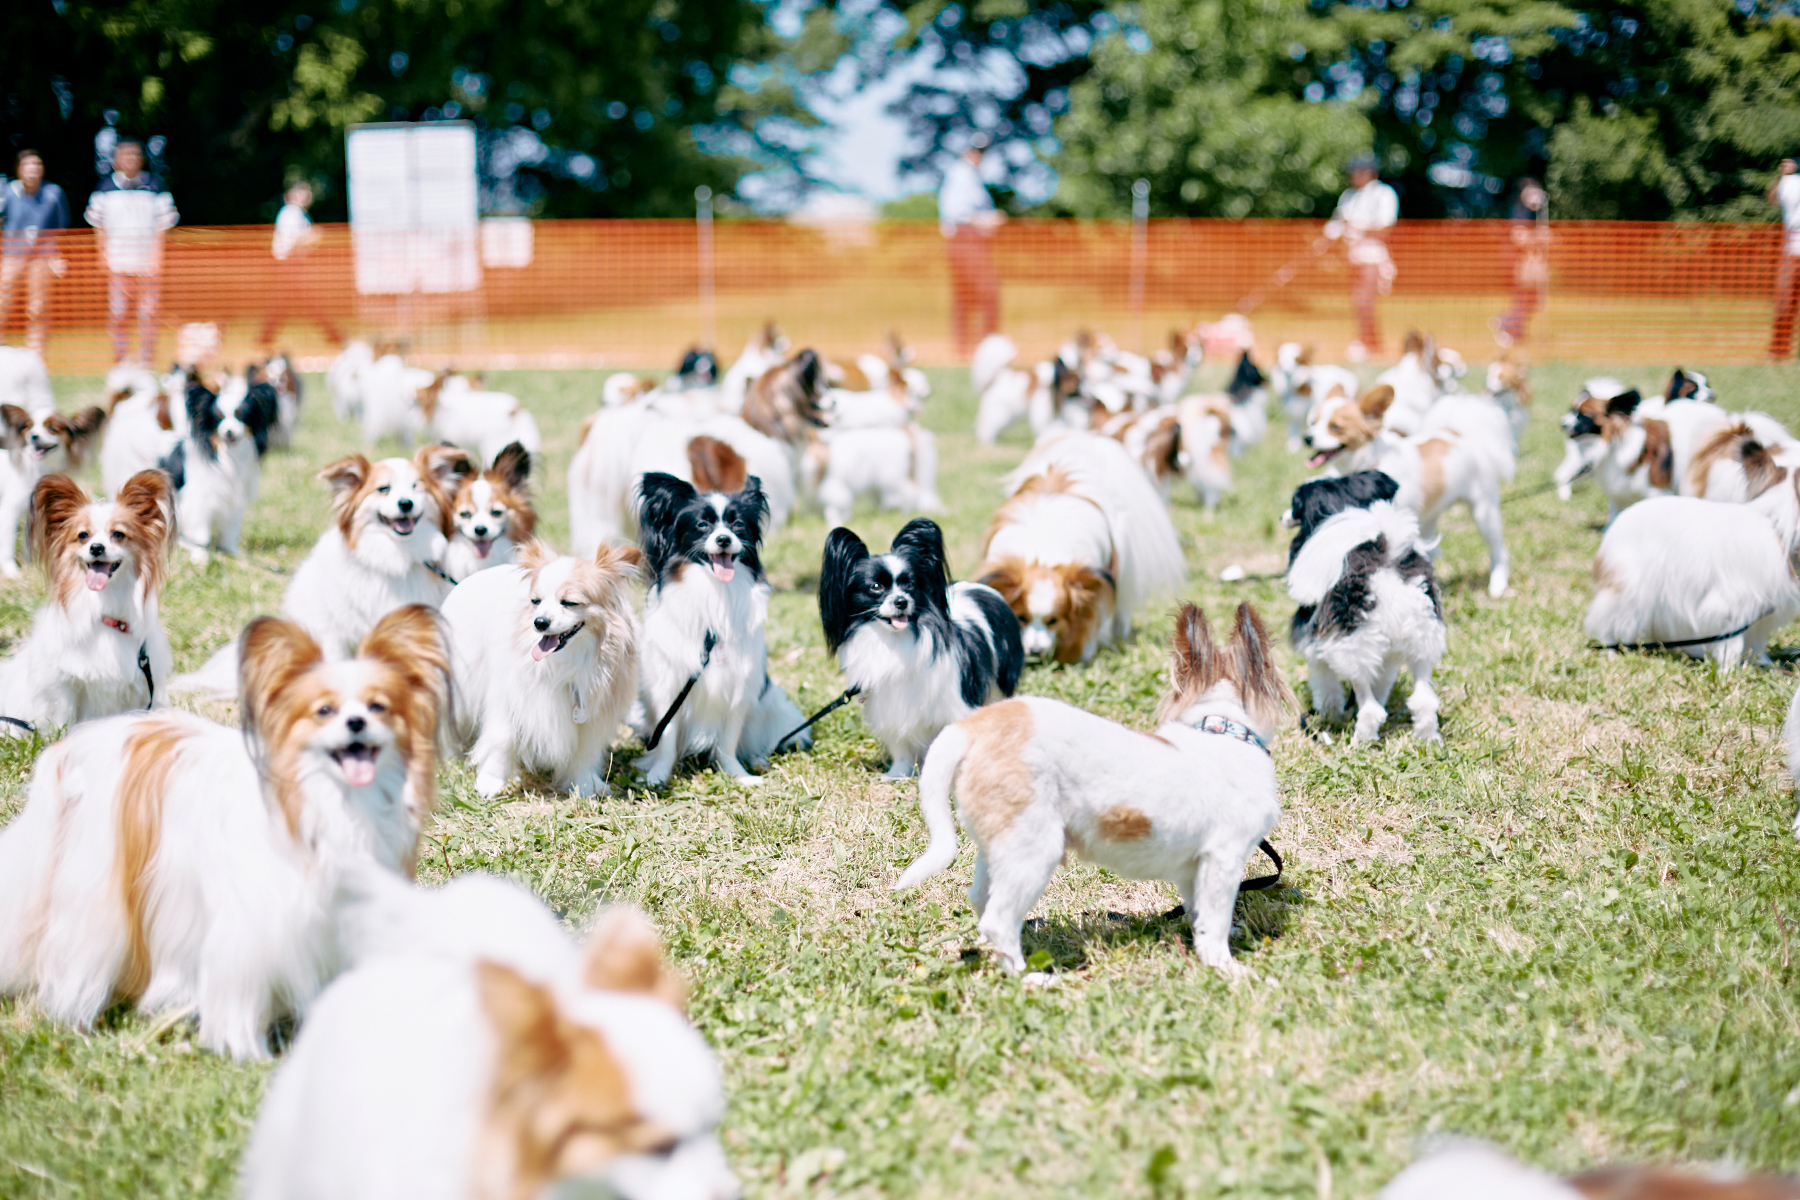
(594, 293)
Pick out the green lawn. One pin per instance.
(1560, 931)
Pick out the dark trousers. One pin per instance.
(974, 289)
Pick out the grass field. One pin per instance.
(1565, 930)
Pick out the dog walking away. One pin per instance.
(921, 651)
(1036, 779)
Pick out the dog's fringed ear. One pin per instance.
(624, 954)
(624, 559)
(1376, 400)
(921, 543)
(82, 427)
(715, 465)
(149, 497)
(752, 500)
(1195, 664)
(513, 466)
(1265, 693)
(660, 499)
(346, 474)
(272, 654)
(1005, 576)
(411, 642)
(446, 464)
(1624, 404)
(55, 501)
(534, 554)
(529, 1032)
(14, 421)
(844, 551)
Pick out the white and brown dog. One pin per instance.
(1462, 455)
(1035, 779)
(1082, 544)
(36, 444)
(491, 515)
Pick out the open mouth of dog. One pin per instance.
(99, 574)
(900, 621)
(40, 450)
(550, 643)
(357, 762)
(1322, 457)
(724, 567)
(482, 546)
(401, 525)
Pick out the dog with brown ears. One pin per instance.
(1036, 779)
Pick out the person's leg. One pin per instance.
(1367, 282)
(149, 291)
(118, 312)
(37, 304)
(280, 300)
(987, 281)
(959, 293)
(10, 268)
(1787, 298)
(311, 286)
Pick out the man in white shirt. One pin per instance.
(131, 210)
(297, 283)
(1785, 194)
(967, 218)
(1364, 218)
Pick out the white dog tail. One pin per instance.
(217, 678)
(941, 761)
(995, 353)
(1790, 732)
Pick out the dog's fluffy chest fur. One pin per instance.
(685, 609)
(911, 684)
(340, 591)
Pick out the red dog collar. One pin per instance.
(115, 623)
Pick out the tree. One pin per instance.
(584, 109)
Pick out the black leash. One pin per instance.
(144, 666)
(706, 649)
(1700, 641)
(439, 572)
(1260, 883)
(849, 694)
(27, 726)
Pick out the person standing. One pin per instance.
(1365, 216)
(297, 284)
(1784, 193)
(132, 210)
(1530, 240)
(967, 218)
(34, 213)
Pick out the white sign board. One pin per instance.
(413, 222)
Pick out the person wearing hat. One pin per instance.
(1365, 216)
(967, 218)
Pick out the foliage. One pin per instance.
(1564, 931)
(585, 110)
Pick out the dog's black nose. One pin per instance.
(356, 724)
(404, 505)
(541, 624)
(1307, 439)
(98, 549)
(481, 531)
(902, 603)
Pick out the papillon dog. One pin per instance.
(921, 651)
(175, 862)
(788, 402)
(1081, 545)
(97, 646)
(1189, 440)
(389, 390)
(459, 412)
(1462, 454)
(344, 379)
(766, 349)
(36, 445)
(1010, 393)
(546, 654)
(279, 373)
(1707, 578)
(897, 464)
(492, 514)
(714, 452)
(1304, 385)
(24, 380)
(1036, 779)
(1369, 604)
(703, 631)
(1425, 373)
(217, 467)
(144, 424)
(1509, 386)
(525, 1065)
(1249, 398)
(1689, 385)
(1628, 451)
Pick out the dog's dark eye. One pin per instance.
(1049, 621)
(82, 536)
(325, 712)
(384, 489)
(117, 536)
(497, 513)
(464, 515)
(536, 600)
(375, 706)
(571, 604)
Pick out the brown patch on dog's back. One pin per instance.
(149, 758)
(1606, 576)
(1737, 443)
(1122, 823)
(1432, 453)
(994, 783)
(1658, 455)
(1663, 1183)
(1162, 449)
(850, 376)
(716, 466)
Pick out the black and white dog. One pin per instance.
(217, 467)
(704, 664)
(922, 651)
(1369, 600)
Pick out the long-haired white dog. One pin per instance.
(476, 1051)
(459, 412)
(34, 445)
(546, 654)
(97, 646)
(176, 862)
(491, 514)
(1369, 604)
(1036, 779)
(144, 423)
(1707, 578)
(1083, 543)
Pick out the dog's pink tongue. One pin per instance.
(98, 577)
(544, 649)
(1319, 459)
(359, 772)
(723, 568)
(482, 546)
